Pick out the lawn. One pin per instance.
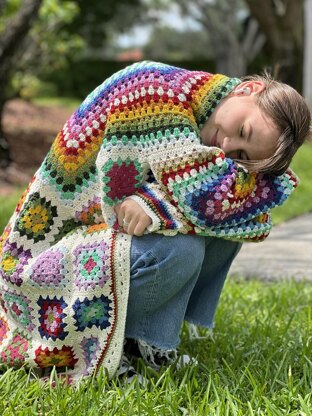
(300, 202)
(258, 362)
(7, 205)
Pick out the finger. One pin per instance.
(121, 217)
(131, 227)
(126, 224)
(142, 226)
(139, 229)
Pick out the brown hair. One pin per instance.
(290, 114)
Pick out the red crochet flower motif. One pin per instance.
(57, 357)
(123, 178)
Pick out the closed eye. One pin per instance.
(241, 133)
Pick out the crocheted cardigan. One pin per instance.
(64, 271)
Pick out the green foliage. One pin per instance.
(50, 101)
(81, 76)
(63, 31)
(169, 44)
(10, 8)
(58, 11)
(52, 39)
(95, 17)
(257, 363)
(30, 86)
(47, 46)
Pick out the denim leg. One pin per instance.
(205, 297)
(163, 273)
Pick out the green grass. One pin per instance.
(68, 102)
(258, 362)
(300, 202)
(7, 205)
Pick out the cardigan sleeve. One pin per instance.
(168, 219)
(216, 196)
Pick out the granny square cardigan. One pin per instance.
(64, 263)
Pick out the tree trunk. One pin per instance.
(4, 145)
(283, 28)
(3, 4)
(234, 49)
(11, 39)
(307, 74)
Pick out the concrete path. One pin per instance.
(286, 253)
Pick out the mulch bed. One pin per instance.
(30, 130)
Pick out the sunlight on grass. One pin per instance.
(7, 206)
(69, 102)
(257, 362)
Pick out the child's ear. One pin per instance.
(249, 88)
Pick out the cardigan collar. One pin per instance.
(210, 90)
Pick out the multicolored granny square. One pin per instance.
(14, 259)
(4, 237)
(68, 226)
(36, 218)
(91, 265)
(16, 352)
(122, 179)
(20, 309)
(91, 348)
(66, 173)
(92, 312)
(49, 269)
(4, 327)
(91, 213)
(58, 357)
(51, 318)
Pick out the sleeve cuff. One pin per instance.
(155, 226)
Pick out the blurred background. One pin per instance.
(54, 52)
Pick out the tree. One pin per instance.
(11, 39)
(235, 37)
(49, 46)
(307, 75)
(95, 18)
(282, 23)
(170, 44)
(33, 42)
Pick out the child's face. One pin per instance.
(241, 129)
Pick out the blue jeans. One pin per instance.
(174, 279)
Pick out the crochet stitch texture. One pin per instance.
(64, 270)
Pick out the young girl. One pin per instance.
(182, 156)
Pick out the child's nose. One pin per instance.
(231, 146)
(228, 144)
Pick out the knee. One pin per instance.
(224, 249)
(186, 251)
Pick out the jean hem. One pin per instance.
(203, 325)
(153, 342)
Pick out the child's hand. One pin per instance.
(132, 218)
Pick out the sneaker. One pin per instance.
(127, 372)
(155, 357)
